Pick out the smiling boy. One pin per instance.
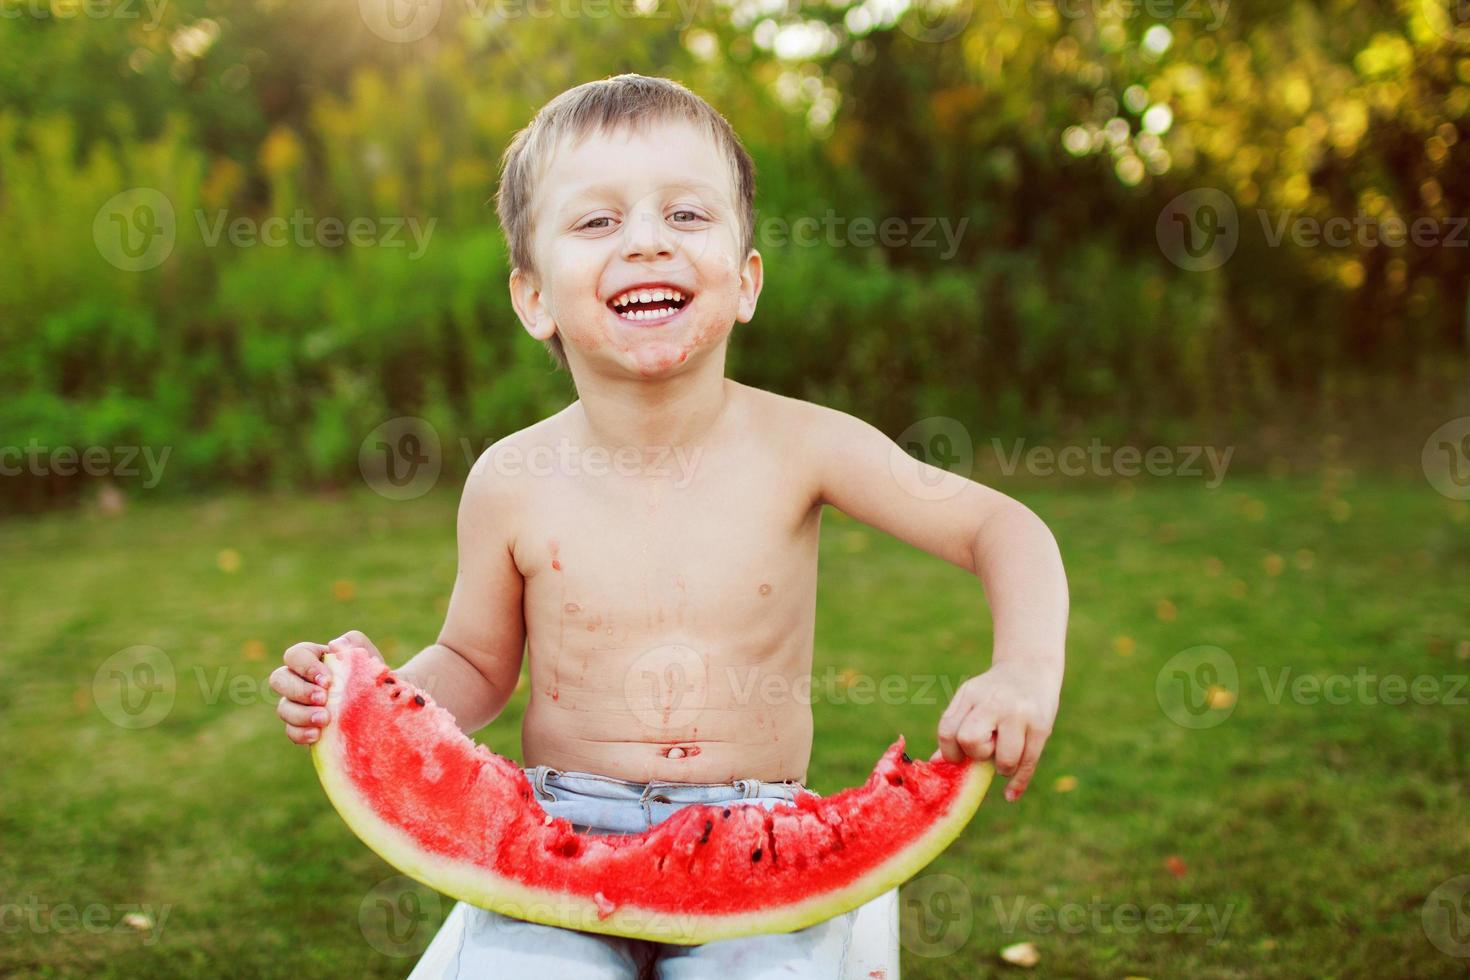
(649, 598)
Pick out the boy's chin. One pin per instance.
(656, 352)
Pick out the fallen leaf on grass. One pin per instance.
(110, 500)
(1174, 864)
(1219, 696)
(1065, 784)
(138, 921)
(1021, 954)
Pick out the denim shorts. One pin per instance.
(605, 805)
(474, 942)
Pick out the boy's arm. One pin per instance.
(473, 667)
(1008, 711)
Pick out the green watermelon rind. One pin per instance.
(488, 890)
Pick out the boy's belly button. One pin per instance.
(681, 752)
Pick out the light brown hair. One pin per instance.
(605, 106)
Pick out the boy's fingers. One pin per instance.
(954, 713)
(949, 729)
(301, 715)
(288, 684)
(302, 736)
(1010, 740)
(306, 659)
(1035, 742)
(977, 736)
(355, 638)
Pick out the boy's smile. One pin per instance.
(650, 303)
(644, 225)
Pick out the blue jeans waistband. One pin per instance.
(606, 804)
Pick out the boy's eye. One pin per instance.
(593, 222)
(685, 215)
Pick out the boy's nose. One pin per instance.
(645, 236)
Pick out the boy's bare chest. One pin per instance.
(623, 561)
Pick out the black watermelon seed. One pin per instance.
(899, 781)
(708, 826)
(418, 699)
(395, 694)
(389, 680)
(907, 758)
(726, 814)
(756, 854)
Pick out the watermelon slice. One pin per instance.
(463, 820)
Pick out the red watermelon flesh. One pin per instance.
(463, 820)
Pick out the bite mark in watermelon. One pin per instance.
(464, 821)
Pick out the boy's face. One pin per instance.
(626, 210)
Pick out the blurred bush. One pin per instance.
(1056, 140)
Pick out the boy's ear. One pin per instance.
(750, 286)
(525, 296)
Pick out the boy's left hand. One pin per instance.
(1006, 713)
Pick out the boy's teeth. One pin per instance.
(648, 296)
(648, 314)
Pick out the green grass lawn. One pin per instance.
(1288, 836)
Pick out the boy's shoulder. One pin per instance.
(809, 427)
(793, 417)
(501, 472)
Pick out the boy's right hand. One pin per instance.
(302, 684)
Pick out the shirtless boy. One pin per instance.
(650, 592)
